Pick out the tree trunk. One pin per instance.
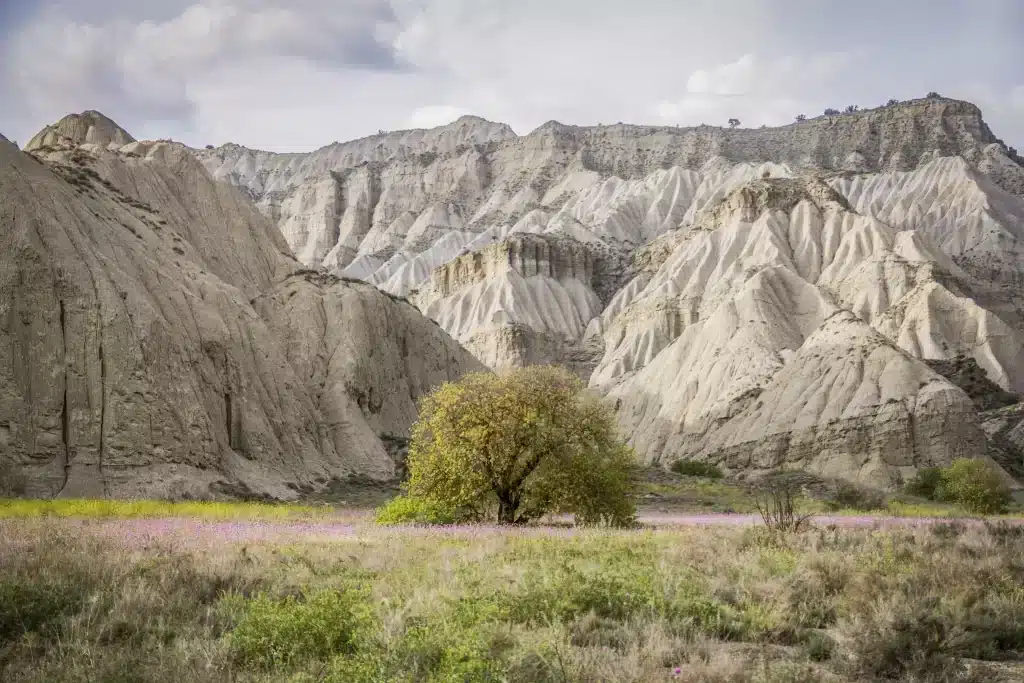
(508, 504)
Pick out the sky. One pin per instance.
(294, 75)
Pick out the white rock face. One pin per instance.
(756, 298)
(90, 127)
(134, 363)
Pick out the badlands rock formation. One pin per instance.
(158, 338)
(754, 298)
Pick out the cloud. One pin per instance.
(295, 75)
(435, 115)
(151, 71)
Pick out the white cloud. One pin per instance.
(297, 74)
(170, 70)
(435, 115)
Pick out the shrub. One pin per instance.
(925, 483)
(831, 112)
(976, 486)
(892, 102)
(800, 118)
(406, 510)
(274, 632)
(694, 468)
(776, 505)
(818, 646)
(933, 96)
(518, 445)
(856, 498)
(852, 109)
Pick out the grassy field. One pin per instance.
(121, 592)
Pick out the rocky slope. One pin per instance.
(158, 338)
(755, 298)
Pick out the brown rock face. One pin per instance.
(132, 361)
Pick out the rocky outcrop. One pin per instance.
(964, 372)
(133, 361)
(89, 127)
(525, 300)
(358, 348)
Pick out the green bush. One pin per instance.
(35, 605)
(515, 446)
(406, 510)
(694, 468)
(976, 486)
(273, 632)
(925, 483)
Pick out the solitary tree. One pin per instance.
(734, 123)
(517, 445)
(800, 118)
(892, 103)
(933, 95)
(852, 109)
(831, 112)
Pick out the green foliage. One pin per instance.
(406, 510)
(319, 625)
(31, 605)
(482, 605)
(694, 468)
(517, 445)
(818, 646)
(976, 486)
(925, 483)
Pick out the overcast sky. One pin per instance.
(293, 75)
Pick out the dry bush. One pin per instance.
(777, 507)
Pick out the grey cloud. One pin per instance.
(290, 75)
(142, 70)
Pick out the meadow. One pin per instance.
(144, 591)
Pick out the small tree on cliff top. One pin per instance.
(514, 446)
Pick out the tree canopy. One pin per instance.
(516, 445)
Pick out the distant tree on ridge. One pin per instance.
(734, 123)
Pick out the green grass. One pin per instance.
(135, 509)
(413, 605)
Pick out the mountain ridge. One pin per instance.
(754, 298)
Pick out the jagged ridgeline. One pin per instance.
(749, 298)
